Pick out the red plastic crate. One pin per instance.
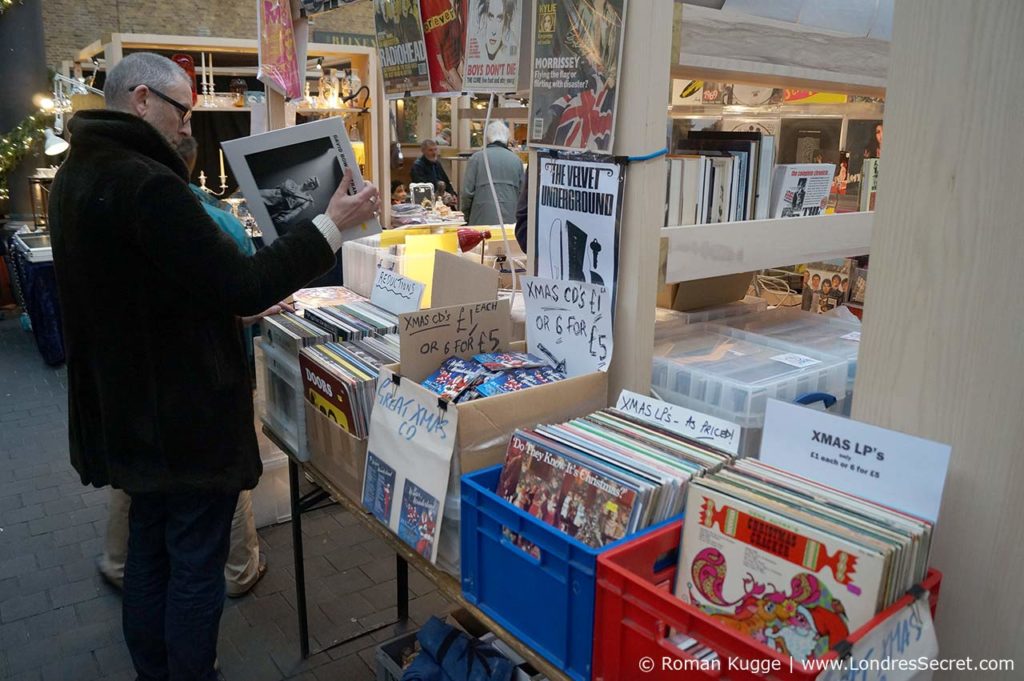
(635, 610)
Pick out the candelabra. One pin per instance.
(223, 184)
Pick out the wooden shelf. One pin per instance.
(741, 48)
(702, 251)
(852, 110)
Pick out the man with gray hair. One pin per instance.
(428, 168)
(158, 387)
(506, 171)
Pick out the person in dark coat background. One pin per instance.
(428, 168)
(159, 392)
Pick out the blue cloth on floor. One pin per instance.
(450, 655)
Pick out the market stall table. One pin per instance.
(405, 555)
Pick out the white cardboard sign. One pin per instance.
(395, 293)
(408, 461)
(907, 636)
(569, 323)
(898, 470)
(716, 432)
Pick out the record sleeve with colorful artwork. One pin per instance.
(794, 588)
(418, 518)
(378, 488)
(583, 503)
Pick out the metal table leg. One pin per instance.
(402, 584)
(300, 567)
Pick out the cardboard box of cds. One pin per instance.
(485, 425)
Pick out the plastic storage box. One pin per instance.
(636, 609)
(271, 500)
(546, 602)
(388, 656)
(279, 396)
(728, 373)
(669, 322)
(806, 331)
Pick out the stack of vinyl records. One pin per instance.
(291, 332)
(355, 320)
(602, 477)
(791, 562)
(385, 348)
(339, 379)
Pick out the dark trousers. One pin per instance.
(174, 583)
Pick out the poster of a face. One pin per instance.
(400, 45)
(494, 55)
(864, 140)
(443, 22)
(576, 53)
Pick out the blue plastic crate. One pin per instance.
(546, 602)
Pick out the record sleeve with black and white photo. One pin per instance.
(578, 210)
(289, 176)
(497, 46)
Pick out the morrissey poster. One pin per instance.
(400, 45)
(577, 49)
(497, 60)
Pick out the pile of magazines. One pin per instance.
(602, 477)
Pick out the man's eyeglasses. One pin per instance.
(186, 112)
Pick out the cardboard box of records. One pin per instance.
(456, 326)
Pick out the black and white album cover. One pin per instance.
(288, 176)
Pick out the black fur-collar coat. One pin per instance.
(151, 290)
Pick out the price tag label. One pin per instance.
(795, 360)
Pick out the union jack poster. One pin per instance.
(577, 49)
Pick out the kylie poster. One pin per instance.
(578, 208)
(577, 50)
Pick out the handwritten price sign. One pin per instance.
(428, 337)
(569, 323)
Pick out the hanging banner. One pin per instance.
(495, 58)
(279, 68)
(577, 49)
(403, 55)
(578, 206)
(443, 31)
